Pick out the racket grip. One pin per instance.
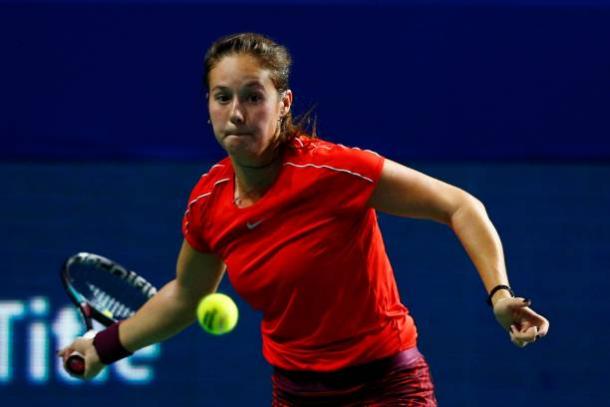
(75, 363)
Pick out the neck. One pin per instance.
(252, 181)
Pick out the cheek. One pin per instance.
(261, 118)
(265, 117)
(215, 112)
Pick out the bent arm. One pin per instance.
(405, 192)
(173, 308)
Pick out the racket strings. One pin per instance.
(109, 304)
(108, 294)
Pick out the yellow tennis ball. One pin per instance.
(217, 313)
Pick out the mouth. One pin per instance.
(237, 134)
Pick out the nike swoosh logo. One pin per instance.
(251, 226)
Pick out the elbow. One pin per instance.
(467, 207)
(475, 204)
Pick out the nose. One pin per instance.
(237, 114)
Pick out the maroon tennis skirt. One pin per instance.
(400, 380)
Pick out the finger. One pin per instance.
(531, 333)
(80, 345)
(523, 324)
(521, 302)
(514, 305)
(526, 333)
(65, 352)
(64, 357)
(528, 318)
(543, 327)
(513, 339)
(522, 338)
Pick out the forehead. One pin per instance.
(237, 70)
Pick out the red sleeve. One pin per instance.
(355, 176)
(192, 222)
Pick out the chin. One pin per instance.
(240, 149)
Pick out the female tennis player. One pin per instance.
(293, 220)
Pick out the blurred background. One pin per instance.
(103, 134)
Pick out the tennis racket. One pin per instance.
(103, 291)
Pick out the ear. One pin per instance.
(286, 102)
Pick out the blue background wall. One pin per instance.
(102, 135)
(439, 81)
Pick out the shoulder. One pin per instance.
(209, 181)
(333, 158)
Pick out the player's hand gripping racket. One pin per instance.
(103, 291)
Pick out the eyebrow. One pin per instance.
(251, 84)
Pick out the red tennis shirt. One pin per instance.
(309, 255)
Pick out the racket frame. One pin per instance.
(75, 363)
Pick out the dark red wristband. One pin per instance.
(108, 345)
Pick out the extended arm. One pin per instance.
(405, 192)
(170, 311)
(174, 307)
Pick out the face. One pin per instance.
(245, 109)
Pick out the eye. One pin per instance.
(222, 98)
(255, 97)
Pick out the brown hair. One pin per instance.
(271, 56)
